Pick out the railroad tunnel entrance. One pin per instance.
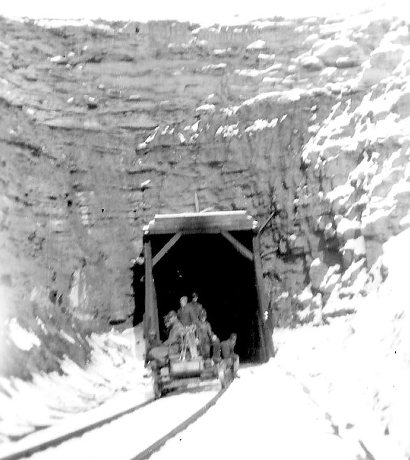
(212, 255)
(224, 280)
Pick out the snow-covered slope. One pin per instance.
(357, 368)
(113, 377)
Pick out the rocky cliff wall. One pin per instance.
(104, 125)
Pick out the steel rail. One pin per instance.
(144, 454)
(43, 445)
(147, 452)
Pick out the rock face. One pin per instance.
(317, 272)
(104, 126)
(338, 53)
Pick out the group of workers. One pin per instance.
(189, 332)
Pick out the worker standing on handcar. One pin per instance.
(205, 335)
(196, 307)
(189, 321)
(186, 313)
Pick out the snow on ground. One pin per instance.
(357, 368)
(22, 338)
(264, 414)
(116, 370)
(125, 437)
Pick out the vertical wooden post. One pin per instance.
(151, 313)
(265, 336)
(155, 325)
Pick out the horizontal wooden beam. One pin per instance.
(173, 223)
(184, 215)
(166, 248)
(193, 230)
(238, 246)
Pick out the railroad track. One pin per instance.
(142, 419)
(146, 453)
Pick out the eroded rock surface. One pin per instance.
(104, 126)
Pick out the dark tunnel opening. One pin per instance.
(224, 279)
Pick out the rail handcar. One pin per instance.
(175, 373)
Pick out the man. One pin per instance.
(196, 306)
(189, 321)
(186, 313)
(228, 352)
(176, 330)
(173, 344)
(228, 347)
(205, 335)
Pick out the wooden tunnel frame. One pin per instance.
(178, 225)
